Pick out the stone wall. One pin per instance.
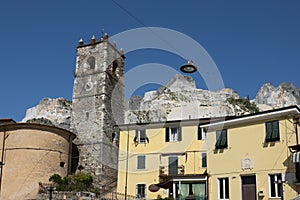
(97, 94)
(84, 196)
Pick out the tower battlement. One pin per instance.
(94, 41)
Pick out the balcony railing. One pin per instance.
(165, 171)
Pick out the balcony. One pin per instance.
(167, 171)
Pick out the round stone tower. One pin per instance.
(97, 107)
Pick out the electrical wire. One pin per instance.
(144, 25)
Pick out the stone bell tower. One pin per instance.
(97, 107)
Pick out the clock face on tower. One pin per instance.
(88, 86)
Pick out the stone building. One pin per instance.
(97, 106)
(31, 153)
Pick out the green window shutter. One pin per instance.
(224, 138)
(179, 134)
(218, 139)
(199, 133)
(275, 134)
(272, 131)
(204, 160)
(268, 131)
(221, 137)
(167, 135)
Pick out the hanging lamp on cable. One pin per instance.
(189, 67)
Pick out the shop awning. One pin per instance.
(295, 157)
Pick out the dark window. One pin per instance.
(141, 191)
(62, 164)
(204, 160)
(247, 180)
(115, 65)
(140, 136)
(297, 165)
(275, 182)
(173, 165)
(141, 162)
(91, 62)
(272, 131)
(201, 133)
(221, 137)
(173, 134)
(223, 188)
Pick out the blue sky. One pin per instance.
(251, 42)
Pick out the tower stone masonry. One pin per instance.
(98, 97)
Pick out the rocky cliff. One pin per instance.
(271, 97)
(179, 99)
(56, 112)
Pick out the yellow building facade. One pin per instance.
(246, 157)
(251, 158)
(162, 159)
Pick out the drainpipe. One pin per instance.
(296, 121)
(206, 188)
(70, 155)
(126, 175)
(296, 130)
(2, 158)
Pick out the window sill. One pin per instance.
(141, 170)
(221, 148)
(268, 141)
(172, 141)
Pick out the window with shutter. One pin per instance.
(204, 160)
(201, 133)
(272, 131)
(141, 162)
(275, 185)
(179, 133)
(140, 136)
(173, 134)
(141, 191)
(221, 137)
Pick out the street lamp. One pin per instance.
(189, 67)
(50, 189)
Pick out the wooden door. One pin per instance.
(249, 188)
